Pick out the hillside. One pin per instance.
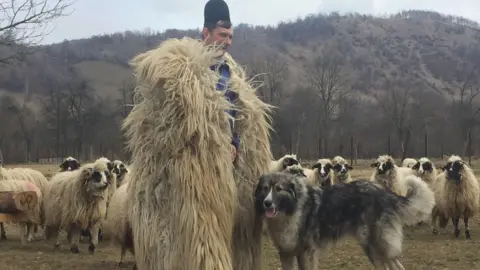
(430, 54)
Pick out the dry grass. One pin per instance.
(422, 250)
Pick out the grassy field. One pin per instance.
(422, 250)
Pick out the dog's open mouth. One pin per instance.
(271, 212)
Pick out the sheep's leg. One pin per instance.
(73, 235)
(122, 255)
(30, 232)
(467, 229)
(455, 222)
(94, 237)
(23, 234)
(434, 223)
(2, 228)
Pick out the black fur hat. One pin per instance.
(215, 11)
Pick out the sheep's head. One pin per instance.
(384, 164)
(296, 169)
(95, 177)
(454, 168)
(323, 166)
(70, 164)
(341, 166)
(119, 169)
(289, 160)
(423, 165)
(109, 165)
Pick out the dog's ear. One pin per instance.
(291, 189)
(259, 196)
(349, 167)
(416, 166)
(374, 164)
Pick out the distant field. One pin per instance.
(422, 250)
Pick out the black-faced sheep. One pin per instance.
(408, 162)
(322, 170)
(389, 175)
(77, 200)
(69, 164)
(283, 162)
(457, 193)
(341, 170)
(426, 170)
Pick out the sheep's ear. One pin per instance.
(110, 166)
(416, 166)
(349, 167)
(328, 166)
(316, 166)
(87, 173)
(374, 165)
(63, 165)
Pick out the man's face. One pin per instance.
(219, 36)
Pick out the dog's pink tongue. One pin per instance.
(270, 212)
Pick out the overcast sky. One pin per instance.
(91, 17)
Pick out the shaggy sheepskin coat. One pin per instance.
(191, 208)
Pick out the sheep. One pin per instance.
(28, 218)
(117, 225)
(323, 173)
(121, 170)
(389, 175)
(112, 187)
(309, 174)
(457, 194)
(76, 200)
(283, 162)
(27, 174)
(408, 162)
(425, 169)
(69, 164)
(341, 170)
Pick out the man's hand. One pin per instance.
(234, 153)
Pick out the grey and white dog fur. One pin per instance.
(302, 220)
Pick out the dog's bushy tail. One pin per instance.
(418, 204)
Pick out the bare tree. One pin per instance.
(466, 109)
(126, 100)
(395, 104)
(325, 77)
(275, 73)
(23, 24)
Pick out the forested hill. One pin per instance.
(414, 55)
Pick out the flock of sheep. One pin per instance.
(456, 189)
(84, 199)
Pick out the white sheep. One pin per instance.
(283, 162)
(117, 225)
(26, 219)
(341, 170)
(24, 174)
(409, 162)
(69, 164)
(389, 175)
(77, 200)
(309, 174)
(121, 170)
(323, 173)
(457, 194)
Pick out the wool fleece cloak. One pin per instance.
(191, 208)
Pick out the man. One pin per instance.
(217, 30)
(189, 205)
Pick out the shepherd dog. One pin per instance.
(302, 220)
